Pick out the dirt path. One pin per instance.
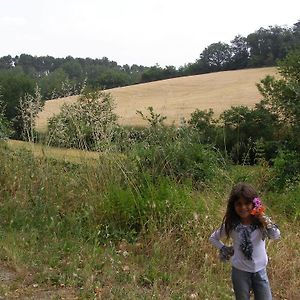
(19, 286)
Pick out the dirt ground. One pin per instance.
(20, 285)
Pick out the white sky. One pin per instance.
(167, 32)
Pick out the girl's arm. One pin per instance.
(216, 237)
(272, 229)
(273, 232)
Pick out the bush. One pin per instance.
(88, 124)
(179, 159)
(286, 170)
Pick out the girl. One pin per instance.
(247, 225)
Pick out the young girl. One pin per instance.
(247, 225)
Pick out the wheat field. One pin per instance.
(177, 98)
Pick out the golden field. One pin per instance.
(177, 98)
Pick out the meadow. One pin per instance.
(177, 98)
(131, 219)
(72, 229)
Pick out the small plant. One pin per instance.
(29, 107)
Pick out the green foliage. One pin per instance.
(282, 98)
(175, 152)
(51, 85)
(154, 120)
(131, 209)
(91, 201)
(106, 224)
(203, 123)
(216, 57)
(268, 45)
(286, 200)
(90, 123)
(14, 85)
(179, 159)
(5, 125)
(286, 170)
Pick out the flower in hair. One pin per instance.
(258, 208)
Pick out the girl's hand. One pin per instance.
(225, 253)
(265, 220)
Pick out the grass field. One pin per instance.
(177, 98)
(68, 155)
(50, 247)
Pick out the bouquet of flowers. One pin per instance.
(258, 209)
(259, 212)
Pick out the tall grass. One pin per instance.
(110, 230)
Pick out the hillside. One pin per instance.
(177, 98)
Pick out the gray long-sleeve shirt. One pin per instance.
(259, 256)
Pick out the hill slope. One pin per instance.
(178, 97)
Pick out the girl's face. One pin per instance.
(243, 209)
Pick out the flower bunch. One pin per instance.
(258, 208)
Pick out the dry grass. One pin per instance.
(177, 98)
(175, 263)
(70, 155)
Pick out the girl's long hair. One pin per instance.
(231, 219)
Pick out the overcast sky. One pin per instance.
(166, 32)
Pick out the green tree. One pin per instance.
(152, 74)
(282, 97)
(6, 62)
(14, 85)
(268, 45)
(216, 56)
(240, 53)
(203, 123)
(5, 126)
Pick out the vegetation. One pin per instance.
(132, 220)
(59, 77)
(111, 230)
(5, 130)
(88, 124)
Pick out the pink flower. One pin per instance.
(257, 202)
(258, 208)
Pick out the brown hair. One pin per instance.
(231, 219)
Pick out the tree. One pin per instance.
(243, 127)
(203, 123)
(5, 126)
(240, 53)
(282, 97)
(15, 84)
(268, 45)
(296, 34)
(6, 62)
(216, 56)
(152, 74)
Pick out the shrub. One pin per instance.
(179, 159)
(286, 170)
(90, 123)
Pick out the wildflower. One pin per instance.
(258, 208)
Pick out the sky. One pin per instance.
(163, 32)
